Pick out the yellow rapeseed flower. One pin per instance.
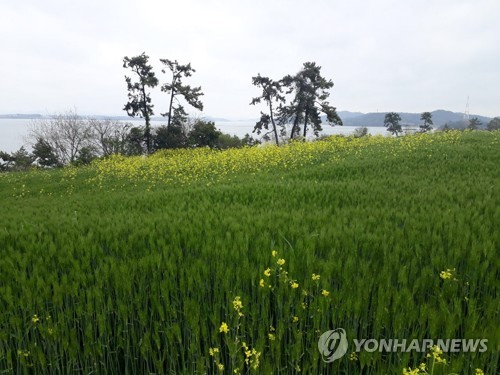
(315, 277)
(436, 354)
(35, 319)
(237, 304)
(261, 283)
(274, 253)
(256, 360)
(409, 371)
(325, 292)
(267, 272)
(220, 366)
(281, 261)
(479, 372)
(448, 274)
(224, 328)
(213, 351)
(272, 337)
(294, 285)
(295, 319)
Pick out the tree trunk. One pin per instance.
(305, 126)
(295, 125)
(170, 107)
(147, 130)
(274, 124)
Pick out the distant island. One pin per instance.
(440, 118)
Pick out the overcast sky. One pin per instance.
(382, 55)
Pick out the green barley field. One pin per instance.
(235, 262)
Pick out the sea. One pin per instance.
(14, 132)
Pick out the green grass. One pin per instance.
(128, 280)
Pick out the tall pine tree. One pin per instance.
(139, 100)
(310, 90)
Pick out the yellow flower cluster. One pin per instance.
(448, 274)
(283, 277)
(410, 371)
(224, 328)
(436, 354)
(421, 369)
(214, 352)
(188, 165)
(238, 305)
(251, 356)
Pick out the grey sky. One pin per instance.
(385, 55)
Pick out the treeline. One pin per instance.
(294, 104)
(68, 139)
(473, 123)
(392, 123)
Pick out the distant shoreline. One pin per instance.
(36, 116)
(21, 117)
(440, 117)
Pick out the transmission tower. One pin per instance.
(466, 112)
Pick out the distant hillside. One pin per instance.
(344, 115)
(439, 117)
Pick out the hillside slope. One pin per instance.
(166, 265)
